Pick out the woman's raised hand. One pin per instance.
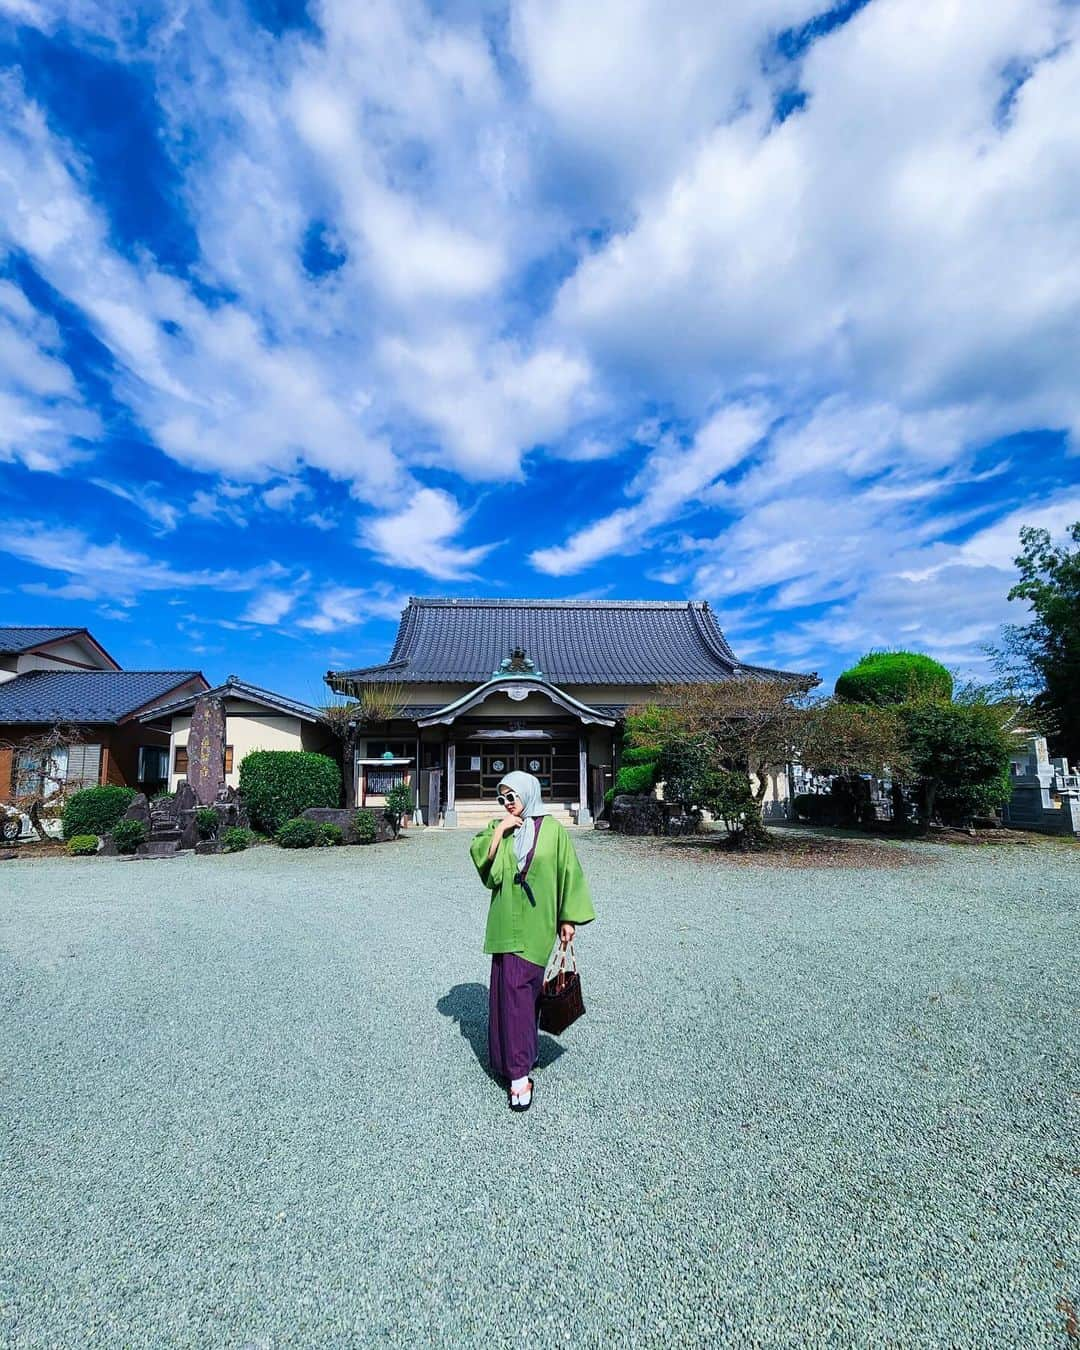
(509, 822)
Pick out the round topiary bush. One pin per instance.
(83, 845)
(894, 677)
(277, 785)
(365, 825)
(298, 833)
(127, 835)
(95, 810)
(330, 835)
(640, 754)
(235, 839)
(636, 778)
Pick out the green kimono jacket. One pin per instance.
(558, 886)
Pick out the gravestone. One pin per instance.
(206, 749)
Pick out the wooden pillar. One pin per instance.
(450, 814)
(584, 816)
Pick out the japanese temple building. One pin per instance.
(480, 687)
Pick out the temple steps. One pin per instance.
(475, 815)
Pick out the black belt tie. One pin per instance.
(519, 880)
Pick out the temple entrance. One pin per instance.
(482, 764)
(498, 761)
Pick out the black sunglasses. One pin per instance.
(506, 798)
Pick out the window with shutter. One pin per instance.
(228, 759)
(180, 759)
(84, 764)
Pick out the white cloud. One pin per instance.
(672, 477)
(112, 570)
(346, 606)
(269, 606)
(418, 537)
(281, 496)
(163, 515)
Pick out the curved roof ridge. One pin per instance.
(533, 602)
(406, 631)
(712, 634)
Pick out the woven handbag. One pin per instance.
(561, 1003)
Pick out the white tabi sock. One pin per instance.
(519, 1086)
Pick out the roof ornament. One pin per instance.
(517, 663)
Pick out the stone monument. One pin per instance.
(206, 749)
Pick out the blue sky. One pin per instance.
(305, 309)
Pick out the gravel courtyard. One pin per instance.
(243, 1102)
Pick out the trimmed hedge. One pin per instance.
(330, 835)
(95, 810)
(640, 754)
(894, 677)
(83, 845)
(277, 785)
(127, 835)
(298, 833)
(636, 778)
(365, 825)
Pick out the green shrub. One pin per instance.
(894, 677)
(609, 796)
(277, 785)
(960, 754)
(636, 778)
(127, 835)
(686, 766)
(364, 821)
(329, 834)
(640, 754)
(163, 796)
(235, 839)
(399, 802)
(95, 810)
(731, 800)
(648, 727)
(298, 833)
(83, 845)
(206, 822)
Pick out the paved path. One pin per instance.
(243, 1102)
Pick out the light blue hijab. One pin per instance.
(527, 789)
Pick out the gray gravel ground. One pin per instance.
(244, 1103)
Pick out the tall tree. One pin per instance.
(1042, 657)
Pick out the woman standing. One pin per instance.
(537, 887)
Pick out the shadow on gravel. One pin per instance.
(467, 1004)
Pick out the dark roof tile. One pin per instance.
(571, 641)
(85, 695)
(21, 639)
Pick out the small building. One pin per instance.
(62, 677)
(255, 719)
(474, 688)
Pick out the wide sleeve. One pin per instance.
(575, 902)
(488, 868)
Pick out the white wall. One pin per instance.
(249, 727)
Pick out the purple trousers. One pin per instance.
(513, 1007)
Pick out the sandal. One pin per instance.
(516, 1104)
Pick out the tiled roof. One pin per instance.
(22, 639)
(85, 695)
(236, 688)
(571, 641)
